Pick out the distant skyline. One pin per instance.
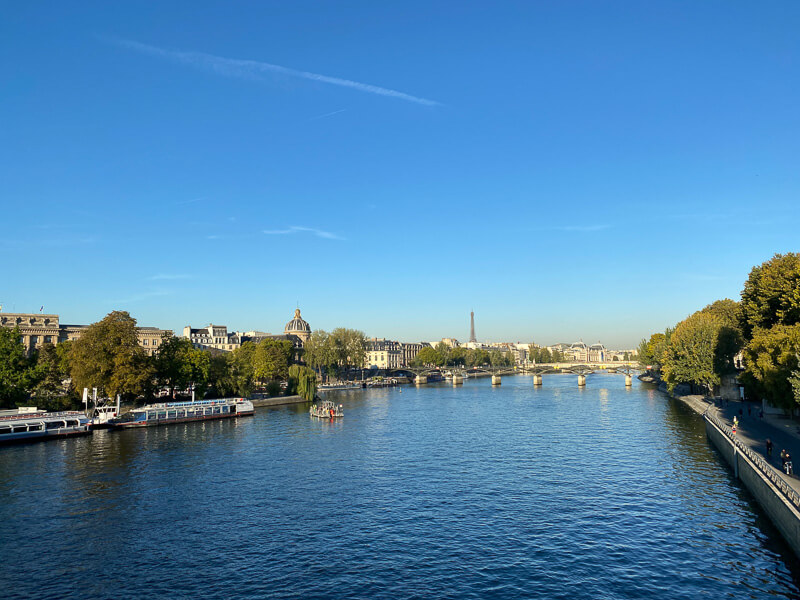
(567, 170)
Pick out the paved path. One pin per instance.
(754, 431)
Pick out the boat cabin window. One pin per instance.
(20, 428)
(72, 423)
(5, 429)
(55, 424)
(216, 410)
(152, 416)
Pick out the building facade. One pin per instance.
(215, 337)
(38, 329)
(383, 354)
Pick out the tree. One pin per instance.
(241, 370)
(443, 354)
(626, 357)
(427, 356)
(458, 357)
(771, 294)
(16, 374)
(108, 356)
(271, 359)
(51, 371)
(692, 353)
(771, 358)
(179, 364)
(302, 381)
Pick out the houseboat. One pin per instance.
(28, 425)
(183, 412)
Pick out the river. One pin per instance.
(430, 492)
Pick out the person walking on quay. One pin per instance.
(735, 423)
(783, 459)
(769, 448)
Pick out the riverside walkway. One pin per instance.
(753, 432)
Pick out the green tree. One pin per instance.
(16, 373)
(108, 356)
(241, 370)
(51, 372)
(427, 356)
(771, 294)
(271, 359)
(458, 357)
(178, 364)
(771, 358)
(692, 355)
(443, 352)
(302, 381)
(545, 356)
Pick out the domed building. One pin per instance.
(298, 327)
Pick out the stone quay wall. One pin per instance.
(779, 501)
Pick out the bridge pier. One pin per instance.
(581, 380)
(458, 379)
(537, 380)
(495, 379)
(628, 381)
(420, 379)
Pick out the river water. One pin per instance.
(436, 492)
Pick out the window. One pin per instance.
(155, 342)
(34, 340)
(48, 339)
(144, 342)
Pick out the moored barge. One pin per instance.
(29, 426)
(184, 412)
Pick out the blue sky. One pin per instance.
(593, 170)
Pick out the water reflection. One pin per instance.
(474, 491)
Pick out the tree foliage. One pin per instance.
(271, 359)
(108, 356)
(16, 373)
(771, 294)
(691, 354)
(302, 381)
(771, 357)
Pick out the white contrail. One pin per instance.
(250, 69)
(295, 229)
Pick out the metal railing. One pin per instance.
(767, 469)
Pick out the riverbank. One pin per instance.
(744, 450)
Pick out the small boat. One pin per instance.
(331, 387)
(28, 425)
(102, 416)
(184, 412)
(326, 410)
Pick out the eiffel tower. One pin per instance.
(472, 327)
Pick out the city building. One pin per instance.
(214, 336)
(597, 352)
(410, 351)
(37, 329)
(383, 354)
(218, 337)
(298, 328)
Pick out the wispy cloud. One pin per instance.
(330, 114)
(253, 69)
(169, 277)
(294, 229)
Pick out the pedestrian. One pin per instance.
(769, 448)
(741, 412)
(783, 458)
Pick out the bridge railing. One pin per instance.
(762, 465)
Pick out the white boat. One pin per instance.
(183, 412)
(27, 424)
(326, 410)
